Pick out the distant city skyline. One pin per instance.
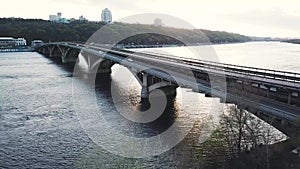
(252, 18)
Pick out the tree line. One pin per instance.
(78, 31)
(295, 41)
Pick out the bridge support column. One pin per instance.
(150, 83)
(64, 55)
(70, 55)
(145, 89)
(289, 98)
(92, 64)
(45, 51)
(55, 52)
(145, 92)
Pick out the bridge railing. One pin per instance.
(234, 70)
(283, 76)
(245, 70)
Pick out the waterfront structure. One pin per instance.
(106, 16)
(12, 42)
(20, 42)
(6, 42)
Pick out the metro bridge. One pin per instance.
(264, 92)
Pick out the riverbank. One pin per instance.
(128, 33)
(174, 45)
(277, 156)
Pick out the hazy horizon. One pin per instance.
(256, 18)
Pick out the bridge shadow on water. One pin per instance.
(66, 67)
(103, 91)
(103, 83)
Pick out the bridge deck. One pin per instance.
(267, 76)
(180, 66)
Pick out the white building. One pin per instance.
(58, 18)
(20, 42)
(106, 16)
(55, 18)
(6, 41)
(11, 42)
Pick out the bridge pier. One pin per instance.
(93, 64)
(55, 52)
(145, 88)
(70, 55)
(144, 92)
(289, 98)
(45, 51)
(64, 54)
(150, 83)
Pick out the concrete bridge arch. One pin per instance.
(65, 53)
(91, 63)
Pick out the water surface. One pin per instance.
(39, 126)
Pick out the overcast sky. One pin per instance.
(275, 18)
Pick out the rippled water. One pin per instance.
(39, 127)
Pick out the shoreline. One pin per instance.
(292, 41)
(177, 45)
(29, 49)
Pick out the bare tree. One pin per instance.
(234, 124)
(245, 131)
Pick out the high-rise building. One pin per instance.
(106, 16)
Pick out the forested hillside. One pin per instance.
(47, 31)
(295, 41)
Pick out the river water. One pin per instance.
(40, 128)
